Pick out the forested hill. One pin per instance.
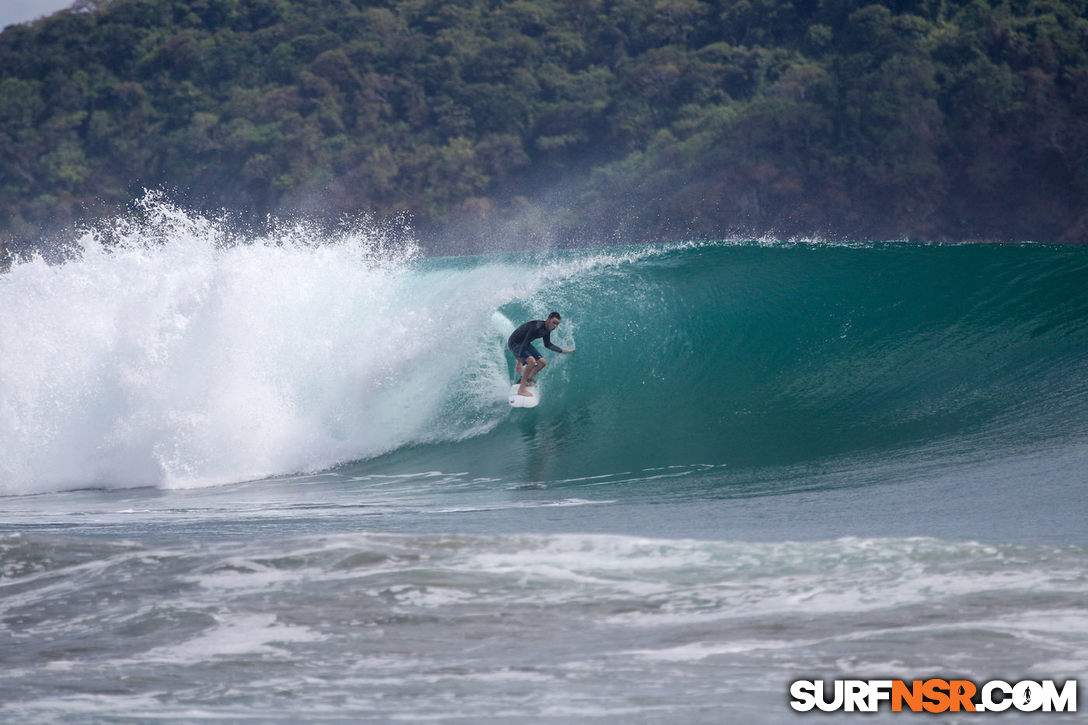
(929, 119)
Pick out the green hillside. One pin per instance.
(933, 119)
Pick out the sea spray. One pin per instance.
(166, 351)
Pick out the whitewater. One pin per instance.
(272, 477)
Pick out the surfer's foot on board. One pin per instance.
(524, 392)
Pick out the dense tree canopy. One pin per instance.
(935, 119)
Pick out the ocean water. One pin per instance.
(277, 479)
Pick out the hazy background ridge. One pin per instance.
(550, 122)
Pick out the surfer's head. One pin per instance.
(553, 321)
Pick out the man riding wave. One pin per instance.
(530, 361)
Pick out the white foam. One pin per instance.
(234, 635)
(174, 355)
(697, 651)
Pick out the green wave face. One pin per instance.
(749, 355)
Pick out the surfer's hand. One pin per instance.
(568, 352)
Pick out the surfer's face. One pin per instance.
(552, 323)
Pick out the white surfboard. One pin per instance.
(521, 401)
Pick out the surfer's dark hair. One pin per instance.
(556, 315)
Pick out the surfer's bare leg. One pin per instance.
(518, 370)
(527, 375)
(540, 363)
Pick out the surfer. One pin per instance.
(530, 361)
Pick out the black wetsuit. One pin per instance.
(521, 340)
